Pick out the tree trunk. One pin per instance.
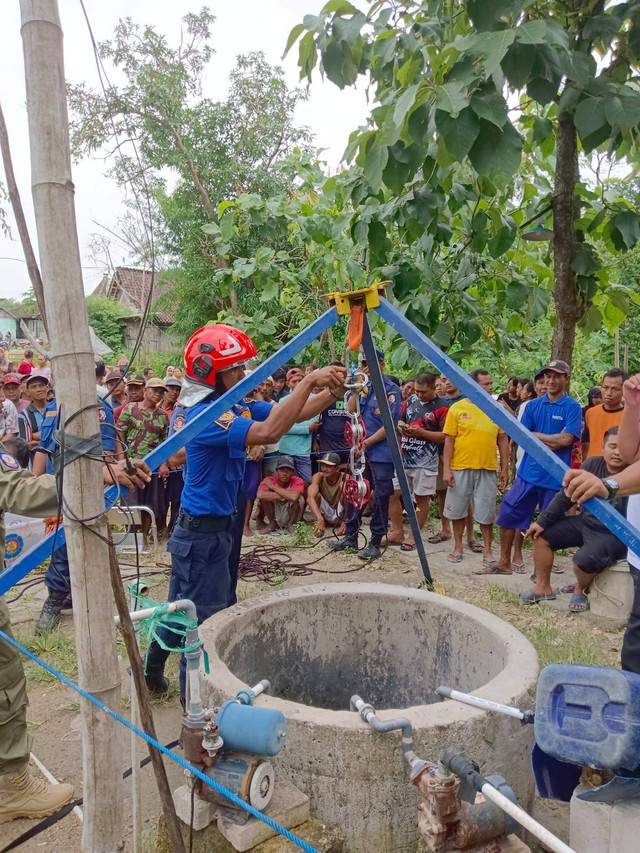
(565, 296)
(23, 231)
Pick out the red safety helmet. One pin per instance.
(213, 349)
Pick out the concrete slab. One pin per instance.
(203, 813)
(289, 807)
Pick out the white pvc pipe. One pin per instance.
(478, 702)
(52, 779)
(146, 612)
(547, 838)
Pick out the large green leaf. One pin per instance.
(339, 64)
(591, 122)
(585, 261)
(295, 33)
(348, 29)
(490, 105)
(491, 48)
(542, 127)
(459, 133)
(592, 320)
(542, 32)
(404, 103)
(374, 162)
(518, 63)
(496, 153)
(625, 229)
(517, 293)
(452, 98)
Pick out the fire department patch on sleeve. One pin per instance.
(225, 420)
(178, 423)
(102, 415)
(8, 461)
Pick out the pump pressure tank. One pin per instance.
(251, 729)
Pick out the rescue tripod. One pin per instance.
(371, 298)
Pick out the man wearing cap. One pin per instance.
(142, 427)
(380, 464)
(135, 393)
(31, 418)
(282, 497)
(116, 389)
(13, 392)
(325, 497)
(556, 420)
(173, 386)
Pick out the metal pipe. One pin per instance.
(466, 771)
(485, 704)
(246, 697)
(368, 714)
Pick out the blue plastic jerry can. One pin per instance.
(589, 716)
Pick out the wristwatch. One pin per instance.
(612, 487)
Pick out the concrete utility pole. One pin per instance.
(73, 365)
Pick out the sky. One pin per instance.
(241, 26)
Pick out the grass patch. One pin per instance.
(55, 648)
(303, 534)
(557, 636)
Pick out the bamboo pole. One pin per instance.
(73, 365)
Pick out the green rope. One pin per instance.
(175, 622)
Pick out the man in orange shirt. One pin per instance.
(470, 468)
(599, 419)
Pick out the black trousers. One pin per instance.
(630, 655)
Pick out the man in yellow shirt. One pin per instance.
(470, 469)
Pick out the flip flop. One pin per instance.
(407, 546)
(518, 568)
(569, 588)
(474, 546)
(531, 597)
(557, 570)
(454, 558)
(438, 538)
(394, 544)
(492, 569)
(486, 561)
(578, 602)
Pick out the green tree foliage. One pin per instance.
(105, 318)
(193, 153)
(480, 110)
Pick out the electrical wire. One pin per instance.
(148, 227)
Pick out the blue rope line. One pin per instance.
(185, 764)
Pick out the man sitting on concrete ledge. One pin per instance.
(597, 547)
(282, 497)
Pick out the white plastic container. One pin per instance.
(611, 592)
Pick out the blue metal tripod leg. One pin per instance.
(556, 469)
(392, 440)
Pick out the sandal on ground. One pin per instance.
(488, 561)
(408, 546)
(531, 597)
(578, 602)
(438, 538)
(474, 546)
(454, 558)
(557, 570)
(569, 588)
(492, 569)
(518, 568)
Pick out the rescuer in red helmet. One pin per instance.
(202, 539)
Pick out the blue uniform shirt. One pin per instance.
(216, 458)
(541, 415)
(371, 416)
(50, 424)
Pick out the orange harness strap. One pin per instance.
(356, 327)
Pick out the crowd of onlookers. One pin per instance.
(454, 455)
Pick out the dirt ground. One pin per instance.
(54, 711)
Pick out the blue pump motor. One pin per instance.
(589, 716)
(250, 729)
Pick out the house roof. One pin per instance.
(134, 284)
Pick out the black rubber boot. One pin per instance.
(157, 684)
(344, 544)
(371, 552)
(50, 615)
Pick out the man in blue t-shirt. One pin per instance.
(378, 456)
(556, 420)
